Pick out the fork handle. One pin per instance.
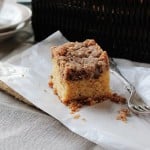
(129, 86)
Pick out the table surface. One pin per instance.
(25, 127)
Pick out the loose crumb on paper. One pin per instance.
(72, 112)
(45, 90)
(83, 119)
(50, 84)
(123, 114)
(77, 116)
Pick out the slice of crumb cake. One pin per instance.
(80, 72)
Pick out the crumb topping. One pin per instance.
(80, 60)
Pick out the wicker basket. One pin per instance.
(122, 27)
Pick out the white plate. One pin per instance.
(6, 35)
(12, 14)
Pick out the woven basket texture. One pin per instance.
(122, 27)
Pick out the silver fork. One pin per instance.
(135, 103)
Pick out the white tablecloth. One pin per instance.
(24, 127)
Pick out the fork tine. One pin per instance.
(142, 107)
(147, 107)
(138, 108)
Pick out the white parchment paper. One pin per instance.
(28, 74)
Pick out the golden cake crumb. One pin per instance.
(77, 116)
(123, 114)
(50, 83)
